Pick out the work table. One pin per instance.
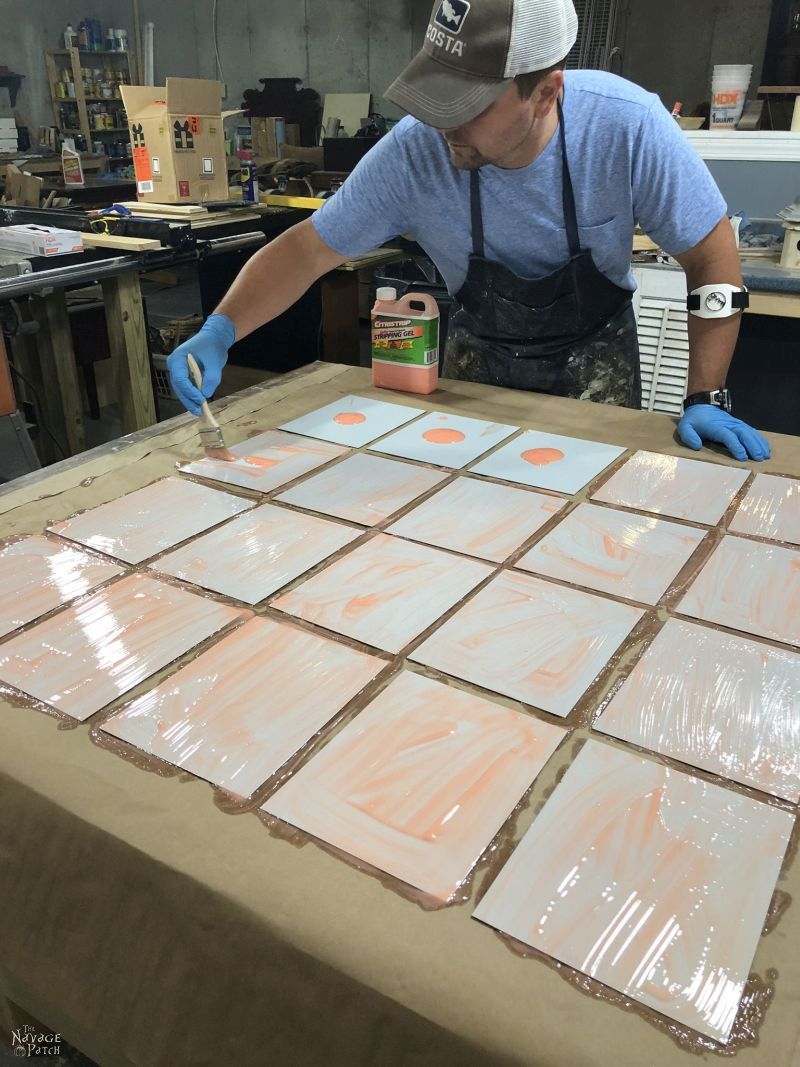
(149, 926)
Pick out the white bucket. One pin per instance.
(729, 87)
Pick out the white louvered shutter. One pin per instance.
(662, 323)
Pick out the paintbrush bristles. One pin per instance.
(211, 437)
(210, 433)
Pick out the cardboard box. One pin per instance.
(40, 240)
(177, 140)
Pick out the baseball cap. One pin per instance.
(474, 49)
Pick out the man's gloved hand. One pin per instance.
(707, 422)
(210, 349)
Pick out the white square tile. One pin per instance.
(258, 553)
(478, 518)
(549, 461)
(37, 575)
(750, 586)
(363, 489)
(267, 461)
(239, 711)
(715, 701)
(770, 509)
(679, 488)
(630, 556)
(353, 420)
(649, 880)
(385, 593)
(150, 520)
(96, 651)
(419, 782)
(445, 440)
(532, 640)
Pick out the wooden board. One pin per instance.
(125, 244)
(276, 200)
(221, 218)
(643, 243)
(178, 210)
(372, 259)
(781, 305)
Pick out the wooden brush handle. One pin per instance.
(197, 378)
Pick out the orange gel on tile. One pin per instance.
(349, 418)
(443, 437)
(260, 461)
(541, 457)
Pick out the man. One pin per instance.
(523, 184)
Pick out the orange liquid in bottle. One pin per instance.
(405, 342)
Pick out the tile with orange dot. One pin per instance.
(353, 420)
(445, 440)
(549, 461)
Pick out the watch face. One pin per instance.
(716, 301)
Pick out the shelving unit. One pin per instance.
(82, 106)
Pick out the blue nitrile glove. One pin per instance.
(707, 422)
(210, 349)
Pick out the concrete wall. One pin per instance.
(671, 48)
(360, 45)
(333, 45)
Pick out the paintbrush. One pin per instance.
(210, 433)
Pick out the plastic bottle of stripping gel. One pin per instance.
(405, 342)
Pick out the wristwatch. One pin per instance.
(720, 398)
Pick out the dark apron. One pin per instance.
(571, 333)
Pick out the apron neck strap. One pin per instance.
(476, 213)
(567, 192)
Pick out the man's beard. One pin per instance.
(466, 158)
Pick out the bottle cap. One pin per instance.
(386, 294)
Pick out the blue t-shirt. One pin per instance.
(630, 162)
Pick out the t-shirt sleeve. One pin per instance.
(675, 198)
(371, 207)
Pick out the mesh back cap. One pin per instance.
(472, 51)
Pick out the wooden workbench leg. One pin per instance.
(127, 339)
(61, 396)
(340, 323)
(30, 387)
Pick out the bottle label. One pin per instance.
(405, 342)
